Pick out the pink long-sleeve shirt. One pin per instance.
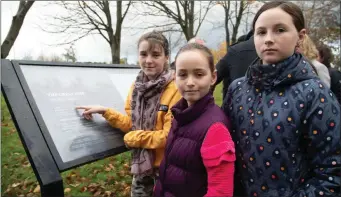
(218, 154)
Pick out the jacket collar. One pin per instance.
(289, 71)
(184, 114)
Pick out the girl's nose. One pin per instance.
(269, 39)
(149, 59)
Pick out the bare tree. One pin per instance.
(233, 17)
(183, 14)
(92, 17)
(70, 54)
(17, 22)
(322, 19)
(50, 58)
(27, 56)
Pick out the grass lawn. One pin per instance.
(107, 177)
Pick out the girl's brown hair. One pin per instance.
(203, 49)
(154, 39)
(292, 9)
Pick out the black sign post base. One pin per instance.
(44, 167)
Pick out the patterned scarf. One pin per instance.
(144, 107)
(265, 76)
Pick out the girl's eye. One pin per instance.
(260, 32)
(200, 74)
(281, 30)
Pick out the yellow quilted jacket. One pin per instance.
(156, 139)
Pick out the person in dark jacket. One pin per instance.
(285, 121)
(236, 61)
(325, 56)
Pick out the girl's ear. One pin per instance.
(214, 77)
(301, 35)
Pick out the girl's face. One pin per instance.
(276, 36)
(152, 60)
(193, 76)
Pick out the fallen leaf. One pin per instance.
(26, 164)
(111, 166)
(15, 185)
(27, 182)
(75, 185)
(107, 193)
(127, 188)
(37, 189)
(107, 169)
(31, 189)
(30, 195)
(8, 190)
(125, 193)
(21, 195)
(92, 189)
(67, 190)
(83, 189)
(4, 124)
(122, 173)
(97, 193)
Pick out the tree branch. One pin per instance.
(16, 25)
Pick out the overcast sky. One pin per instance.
(34, 42)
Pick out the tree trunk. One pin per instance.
(14, 30)
(227, 32)
(191, 20)
(115, 52)
(116, 39)
(238, 20)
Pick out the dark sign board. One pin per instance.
(42, 97)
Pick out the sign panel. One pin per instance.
(53, 92)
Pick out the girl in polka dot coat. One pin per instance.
(285, 121)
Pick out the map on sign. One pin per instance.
(57, 90)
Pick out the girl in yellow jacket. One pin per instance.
(148, 117)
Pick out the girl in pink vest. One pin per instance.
(199, 155)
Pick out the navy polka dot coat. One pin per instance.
(286, 126)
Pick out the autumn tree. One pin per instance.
(17, 22)
(220, 52)
(186, 16)
(86, 18)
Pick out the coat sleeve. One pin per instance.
(153, 139)
(119, 120)
(323, 73)
(323, 146)
(218, 154)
